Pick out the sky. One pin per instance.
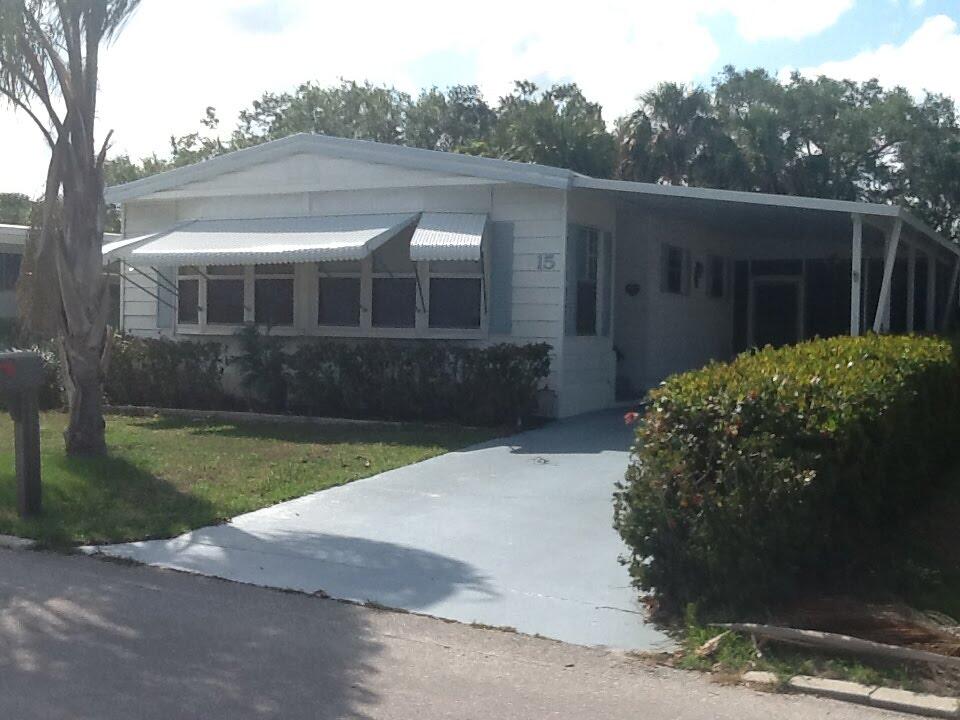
(177, 57)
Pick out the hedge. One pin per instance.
(377, 379)
(784, 471)
(164, 373)
(420, 381)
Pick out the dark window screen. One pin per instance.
(394, 302)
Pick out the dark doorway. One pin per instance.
(776, 312)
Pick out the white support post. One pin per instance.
(951, 297)
(881, 322)
(931, 319)
(911, 286)
(856, 274)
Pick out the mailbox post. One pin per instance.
(21, 374)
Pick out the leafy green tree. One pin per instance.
(675, 138)
(928, 177)
(557, 126)
(450, 120)
(49, 62)
(350, 110)
(15, 209)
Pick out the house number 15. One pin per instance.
(547, 262)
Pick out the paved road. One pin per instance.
(84, 639)
(516, 532)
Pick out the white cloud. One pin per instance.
(176, 57)
(927, 60)
(766, 20)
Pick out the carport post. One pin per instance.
(911, 286)
(882, 321)
(856, 274)
(951, 297)
(931, 320)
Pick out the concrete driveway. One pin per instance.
(515, 532)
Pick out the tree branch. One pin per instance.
(13, 98)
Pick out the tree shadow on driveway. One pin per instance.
(298, 558)
(82, 639)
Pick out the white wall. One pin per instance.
(661, 333)
(537, 216)
(588, 362)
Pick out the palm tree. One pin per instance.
(49, 61)
(673, 138)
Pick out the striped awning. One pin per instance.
(448, 236)
(261, 240)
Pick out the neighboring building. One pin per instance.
(629, 282)
(13, 240)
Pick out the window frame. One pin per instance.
(441, 274)
(241, 277)
(201, 298)
(291, 276)
(306, 321)
(717, 262)
(685, 270)
(321, 271)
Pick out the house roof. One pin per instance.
(491, 169)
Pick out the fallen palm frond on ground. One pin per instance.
(841, 643)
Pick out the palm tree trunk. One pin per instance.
(85, 433)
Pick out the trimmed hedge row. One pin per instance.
(428, 381)
(163, 373)
(782, 472)
(370, 379)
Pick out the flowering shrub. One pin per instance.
(780, 472)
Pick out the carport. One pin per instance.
(702, 274)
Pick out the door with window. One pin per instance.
(777, 314)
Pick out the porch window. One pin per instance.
(394, 302)
(394, 285)
(188, 295)
(338, 294)
(273, 294)
(456, 294)
(225, 294)
(675, 275)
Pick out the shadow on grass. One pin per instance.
(447, 436)
(86, 639)
(95, 499)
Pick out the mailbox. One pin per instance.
(21, 374)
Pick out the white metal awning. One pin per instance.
(448, 236)
(261, 240)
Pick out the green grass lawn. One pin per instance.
(164, 476)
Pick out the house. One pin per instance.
(13, 241)
(629, 282)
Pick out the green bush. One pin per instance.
(417, 381)
(783, 472)
(163, 373)
(263, 369)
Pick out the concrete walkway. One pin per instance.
(82, 639)
(516, 532)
